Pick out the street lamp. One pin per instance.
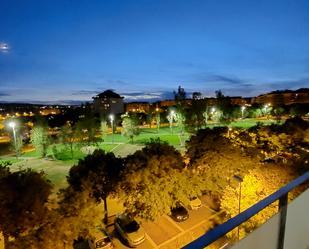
(242, 111)
(213, 109)
(111, 117)
(13, 125)
(239, 179)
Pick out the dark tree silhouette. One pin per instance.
(100, 171)
(23, 196)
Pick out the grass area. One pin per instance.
(57, 170)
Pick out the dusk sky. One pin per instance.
(63, 51)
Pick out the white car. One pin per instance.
(99, 238)
(129, 229)
(195, 203)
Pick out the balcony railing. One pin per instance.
(281, 195)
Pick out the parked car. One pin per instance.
(195, 203)
(179, 213)
(99, 238)
(129, 230)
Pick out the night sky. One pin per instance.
(61, 51)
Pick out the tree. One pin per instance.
(129, 126)
(225, 106)
(257, 184)
(216, 158)
(100, 172)
(156, 174)
(158, 121)
(87, 128)
(71, 219)
(68, 137)
(180, 94)
(23, 198)
(39, 139)
(103, 129)
(170, 117)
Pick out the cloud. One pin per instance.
(85, 92)
(147, 96)
(227, 79)
(4, 94)
(288, 84)
(4, 47)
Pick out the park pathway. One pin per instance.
(123, 150)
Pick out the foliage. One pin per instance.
(180, 120)
(39, 139)
(257, 184)
(158, 120)
(156, 174)
(216, 159)
(103, 129)
(130, 126)
(68, 136)
(23, 198)
(99, 172)
(62, 225)
(85, 130)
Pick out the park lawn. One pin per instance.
(64, 153)
(56, 171)
(247, 123)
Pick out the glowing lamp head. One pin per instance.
(111, 117)
(12, 125)
(243, 108)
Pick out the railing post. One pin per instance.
(283, 207)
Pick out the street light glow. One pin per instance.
(12, 125)
(111, 117)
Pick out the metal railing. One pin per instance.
(281, 195)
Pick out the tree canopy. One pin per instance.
(99, 171)
(156, 174)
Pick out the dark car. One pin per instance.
(179, 213)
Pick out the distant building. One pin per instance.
(286, 97)
(139, 107)
(108, 102)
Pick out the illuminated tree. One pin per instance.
(216, 159)
(257, 184)
(100, 172)
(61, 226)
(156, 174)
(39, 139)
(103, 129)
(130, 126)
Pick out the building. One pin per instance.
(108, 102)
(139, 107)
(286, 97)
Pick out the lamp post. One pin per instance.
(12, 125)
(111, 117)
(239, 179)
